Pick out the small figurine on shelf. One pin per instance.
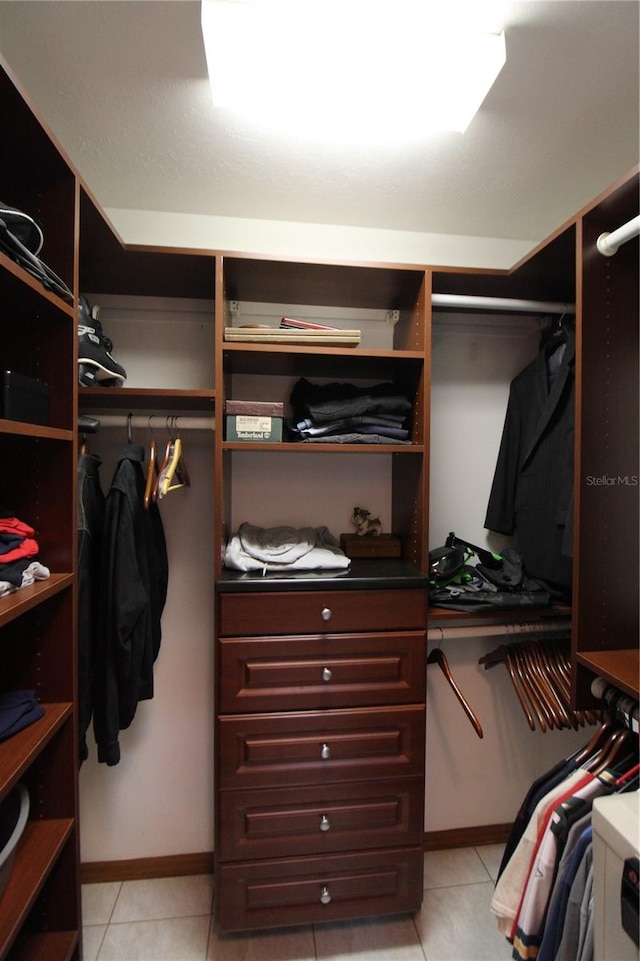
(365, 524)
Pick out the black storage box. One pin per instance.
(24, 398)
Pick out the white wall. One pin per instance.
(314, 241)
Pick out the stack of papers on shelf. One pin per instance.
(304, 324)
(326, 337)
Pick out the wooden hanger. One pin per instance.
(165, 461)
(173, 474)
(437, 656)
(595, 743)
(613, 747)
(152, 469)
(552, 692)
(539, 672)
(503, 655)
(530, 690)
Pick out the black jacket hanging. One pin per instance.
(532, 491)
(134, 589)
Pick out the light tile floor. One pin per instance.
(169, 919)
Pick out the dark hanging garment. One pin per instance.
(532, 491)
(134, 590)
(91, 507)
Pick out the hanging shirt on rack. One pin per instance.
(529, 930)
(134, 589)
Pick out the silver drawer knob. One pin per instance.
(325, 897)
(326, 674)
(325, 753)
(324, 823)
(325, 613)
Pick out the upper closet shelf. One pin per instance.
(141, 399)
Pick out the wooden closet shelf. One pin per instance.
(34, 430)
(515, 615)
(19, 287)
(36, 854)
(150, 400)
(22, 600)
(620, 667)
(334, 362)
(45, 946)
(300, 448)
(19, 751)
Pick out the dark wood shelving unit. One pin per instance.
(40, 908)
(48, 946)
(37, 852)
(606, 555)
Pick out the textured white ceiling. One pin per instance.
(122, 84)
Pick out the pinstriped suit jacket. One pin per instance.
(532, 490)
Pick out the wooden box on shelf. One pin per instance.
(384, 545)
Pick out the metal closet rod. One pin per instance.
(608, 243)
(499, 630)
(502, 303)
(175, 423)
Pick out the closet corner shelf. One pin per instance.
(19, 751)
(620, 667)
(23, 429)
(143, 399)
(22, 600)
(36, 853)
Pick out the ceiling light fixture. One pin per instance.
(355, 69)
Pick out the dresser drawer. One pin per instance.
(277, 750)
(315, 612)
(330, 670)
(267, 894)
(321, 819)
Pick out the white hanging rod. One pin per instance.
(608, 243)
(174, 423)
(497, 630)
(502, 303)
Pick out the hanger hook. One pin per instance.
(129, 424)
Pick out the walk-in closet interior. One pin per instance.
(310, 733)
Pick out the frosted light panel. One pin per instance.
(352, 69)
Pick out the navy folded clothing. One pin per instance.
(330, 402)
(18, 709)
(9, 542)
(12, 573)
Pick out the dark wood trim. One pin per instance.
(466, 837)
(178, 865)
(172, 865)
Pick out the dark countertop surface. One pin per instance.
(363, 574)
